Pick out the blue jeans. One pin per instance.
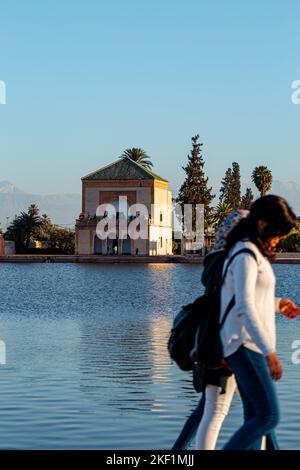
(261, 410)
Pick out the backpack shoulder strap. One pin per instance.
(228, 308)
(232, 301)
(243, 250)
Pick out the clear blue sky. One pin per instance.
(87, 79)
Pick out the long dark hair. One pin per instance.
(278, 215)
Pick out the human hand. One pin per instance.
(274, 365)
(288, 308)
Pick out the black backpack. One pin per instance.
(197, 326)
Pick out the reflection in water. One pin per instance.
(116, 359)
(87, 362)
(160, 329)
(161, 378)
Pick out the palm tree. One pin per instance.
(31, 221)
(222, 210)
(24, 226)
(16, 232)
(33, 209)
(138, 155)
(262, 178)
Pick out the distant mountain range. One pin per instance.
(62, 208)
(289, 190)
(65, 208)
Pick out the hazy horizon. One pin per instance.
(65, 208)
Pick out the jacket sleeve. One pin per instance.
(277, 304)
(245, 272)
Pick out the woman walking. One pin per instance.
(249, 332)
(214, 404)
(218, 386)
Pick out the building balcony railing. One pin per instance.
(93, 220)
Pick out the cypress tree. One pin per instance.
(247, 199)
(225, 187)
(195, 189)
(230, 192)
(235, 188)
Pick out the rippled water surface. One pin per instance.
(87, 365)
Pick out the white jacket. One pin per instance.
(251, 321)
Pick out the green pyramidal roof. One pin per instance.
(123, 169)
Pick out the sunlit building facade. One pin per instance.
(104, 188)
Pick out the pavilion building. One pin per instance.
(139, 185)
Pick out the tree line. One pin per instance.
(31, 227)
(196, 190)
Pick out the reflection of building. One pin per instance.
(160, 328)
(140, 186)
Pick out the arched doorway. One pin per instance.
(97, 246)
(126, 246)
(112, 244)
